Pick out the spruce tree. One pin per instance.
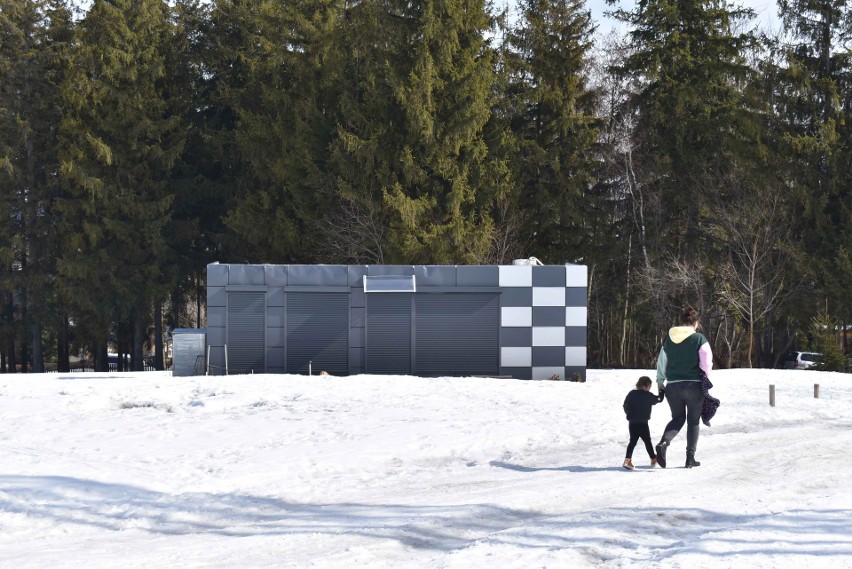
(697, 127)
(34, 39)
(813, 98)
(554, 124)
(119, 144)
(284, 113)
(441, 78)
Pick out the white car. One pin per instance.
(801, 360)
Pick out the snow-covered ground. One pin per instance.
(149, 470)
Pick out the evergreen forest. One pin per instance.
(691, 158)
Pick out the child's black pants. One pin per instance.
(640, 430)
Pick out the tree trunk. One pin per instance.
(25, 345)
(101, 360)
(159, 362)
(136, 360)
(199, 292)
(63, 353)
(38, 352)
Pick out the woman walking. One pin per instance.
(684, 355)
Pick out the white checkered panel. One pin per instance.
(576, 315)
(576, 275)
(548, 296)
(543, 320)
(516, 316)
(516, 357)
(547, 372)
(548, 336)
(575, 356)
(516, 275)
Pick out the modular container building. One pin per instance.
(522, 321)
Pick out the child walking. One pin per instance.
(637, 407)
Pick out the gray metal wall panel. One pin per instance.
(275, 296)
(432, 275)
(388, 333)
(477, 275)
(576, 296)
(548, 276)
(358, 298)
(317, 275)
(275, 315)
(516, 296)
(252, 275)
(521, 337)
(246, 332)
(217, 275)
(575, 335)
(390, 270)
(358, 317)
(216, 336)
(275, 275)
(570, 371)
(356, 337)
(275, 337)
(216, 296)
(548, 315)
(548, 356)
(356, 361)
(457, 334)
(216, 316)
(517, 372)
(275, 360)
(355, 275)
(318, 332)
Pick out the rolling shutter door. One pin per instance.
(318, 332)
(246, 332)
(388, 333)
(457, 334)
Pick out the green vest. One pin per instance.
(682, 359)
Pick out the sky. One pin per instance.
(121, 470)
(767, 13)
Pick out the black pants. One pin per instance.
(640, 430)
(686, 400)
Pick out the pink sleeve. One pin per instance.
(705, 358)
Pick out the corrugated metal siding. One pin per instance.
(318, 332)
(246, 332)
(388, 333)
(457, 334)
(186, 349)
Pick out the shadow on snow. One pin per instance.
(663, 531)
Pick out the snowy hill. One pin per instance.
(147, 470)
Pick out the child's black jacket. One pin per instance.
(638, 403)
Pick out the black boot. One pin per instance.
(661, 452)
(690, 460)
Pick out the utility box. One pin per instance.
(188, 350)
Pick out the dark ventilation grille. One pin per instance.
(457, 334)
(246, 332)
(388, 333)
(318, 332)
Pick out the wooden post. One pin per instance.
(816, 390)
(772, 396)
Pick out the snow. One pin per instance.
(150, 470)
